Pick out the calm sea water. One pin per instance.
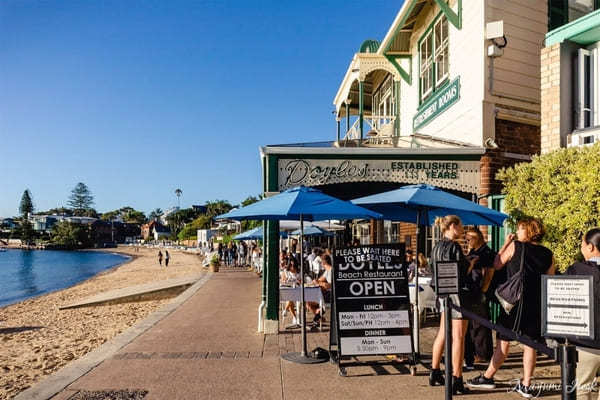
(29, 273)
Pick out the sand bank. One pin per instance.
(36, 338)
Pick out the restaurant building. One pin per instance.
(570, 72)
(449, 96)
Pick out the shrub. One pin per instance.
(562, 189)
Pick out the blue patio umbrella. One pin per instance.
(255, 234)
(301, 203)
(312, 230)
(420, 205)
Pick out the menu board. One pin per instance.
(567, 306)
(370, 286)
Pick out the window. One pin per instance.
(383, 102)
(433, 57)
(561, 12)
(587, 107)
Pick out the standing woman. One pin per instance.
(160, 258)
(525, 317)
(448, 250)
(478, 342)
(167, 258)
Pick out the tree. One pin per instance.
(217, 207)
(69, 235)
(250, 224)
(26, 205)
(155, 214)
(27, 232)
(561, 189)
(81, 199)
(178, 193)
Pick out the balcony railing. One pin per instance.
(382, 125)
(585, 137)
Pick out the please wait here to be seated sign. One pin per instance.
(371, 300)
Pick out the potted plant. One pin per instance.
(214, 263)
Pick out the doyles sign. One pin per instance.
(461, 175)
(370, 284)
(567, 306)
(437, 104)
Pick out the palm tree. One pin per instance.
(178, 193)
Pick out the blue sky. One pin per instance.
(138, 98)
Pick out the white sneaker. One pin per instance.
(294, 321)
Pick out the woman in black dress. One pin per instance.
(525, 317)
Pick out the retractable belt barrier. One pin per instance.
(526, 340)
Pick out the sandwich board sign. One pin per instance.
(446, 278)
(567, 306)
(371, 301)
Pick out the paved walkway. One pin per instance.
(208, 348)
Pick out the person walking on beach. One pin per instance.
(167, 257)
(160, 256)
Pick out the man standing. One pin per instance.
(167, 257)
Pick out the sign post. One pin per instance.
(568, 312)
(371, 302)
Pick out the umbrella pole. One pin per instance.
(416, 313)
(303, 321)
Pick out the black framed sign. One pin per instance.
(371, 303)
(568, 306)
(446, 278)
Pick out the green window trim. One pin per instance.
(455, 19)
(558, 13)
(435, 86)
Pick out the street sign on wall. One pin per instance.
(567, 306)
(370, 286)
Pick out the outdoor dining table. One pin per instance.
(311, 293)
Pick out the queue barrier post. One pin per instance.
(567, 355)
(448, 346)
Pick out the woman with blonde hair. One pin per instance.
(527, 255)
(448, 250)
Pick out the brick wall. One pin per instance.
(550, 107)
(513, 139)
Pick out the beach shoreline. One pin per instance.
(38, 339)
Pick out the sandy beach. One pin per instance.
(37, 339)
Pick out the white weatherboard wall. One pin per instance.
(517, 71)
(462, 121)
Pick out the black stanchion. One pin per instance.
(567, 355)
(448, 346)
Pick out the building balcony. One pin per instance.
(379, 126)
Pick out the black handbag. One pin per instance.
(511, 291)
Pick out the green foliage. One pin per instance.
(27, 234)
(178, 219)
(69, 235)
(155, 214)
(57, 211)
(128, 214)
(250, 224)
(217, 207)
(215, 259)
(190, 230)
(562, 189)
(26, 205)
(81, 200)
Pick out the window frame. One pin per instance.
(432, 63)
(587, 93)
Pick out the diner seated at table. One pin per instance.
(291, 277)
(324, 281)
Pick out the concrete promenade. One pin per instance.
(208, 348)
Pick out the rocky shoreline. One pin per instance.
(37, 339)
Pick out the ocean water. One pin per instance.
(30, 273)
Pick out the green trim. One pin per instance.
(454, 18)
(498, 233)
(441, 106)
(581, 26)
(406, 76)
(361, 107)
(271, 245)
(431, 97)
(397, 107)
(434, 89)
